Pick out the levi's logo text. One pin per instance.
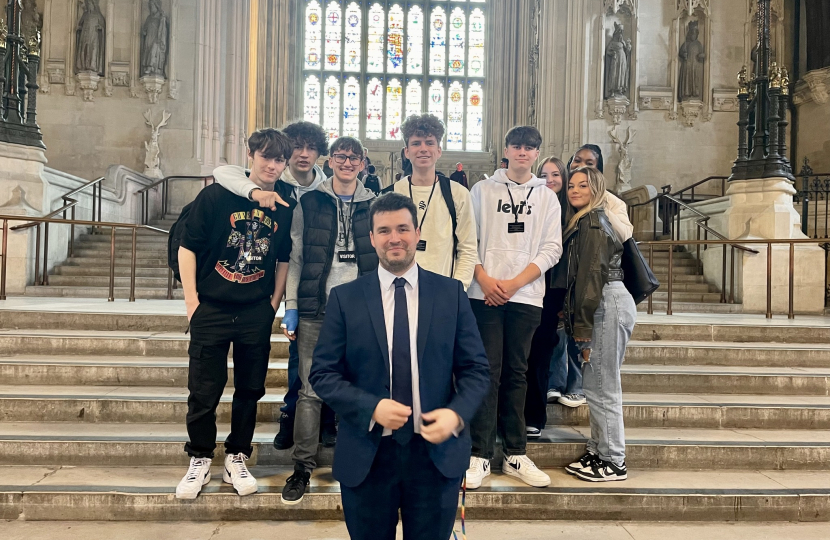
(518, 209)
(248, 246)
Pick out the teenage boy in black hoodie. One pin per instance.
(232, 287)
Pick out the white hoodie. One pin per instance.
(505, 255)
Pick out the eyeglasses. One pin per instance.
(340, 159)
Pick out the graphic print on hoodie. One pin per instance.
(504, 255)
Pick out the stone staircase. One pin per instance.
(727, 419)
(86, 274)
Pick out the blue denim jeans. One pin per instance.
(565, 367)
(613, 323)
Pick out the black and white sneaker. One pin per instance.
(294, 489)
(582, 463)
(534, 433)
(603, 471)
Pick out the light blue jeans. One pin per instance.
(565, 373)
(613, 323)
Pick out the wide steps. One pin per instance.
(728, 353)
(104, 262)
(144, 293)
(120, 271)
(108, 444)
(97, 281)
(146, 494)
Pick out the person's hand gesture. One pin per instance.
(442, 424)
(268, 199)
(391, 414)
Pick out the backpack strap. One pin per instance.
(446, 191)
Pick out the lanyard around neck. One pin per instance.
(429, 201)
(513, 206)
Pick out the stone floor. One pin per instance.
(326, 530)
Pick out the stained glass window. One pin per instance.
(413, 98)
(367, 65)
(351, 108)
(455, 117)
(394, 109)
(458, 31)
(374, 109)
(394, 40)
(437, 42)
(354, 32)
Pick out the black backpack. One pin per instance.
(174, 240)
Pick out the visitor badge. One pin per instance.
(347, 256)
(516, 227)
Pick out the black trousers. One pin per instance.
(544, 342)
(402, 478)
(507, 332)
(213, 327)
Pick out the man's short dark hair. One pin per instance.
(308, 134)
(505, 161)
(392, 202)
(372, 169)
(348, 143)
(271, 143)
(523, 136)
(422, 125)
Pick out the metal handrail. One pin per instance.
(114, 226)
(165, 184)
(769, 243)
(67, 199)
(696, 184)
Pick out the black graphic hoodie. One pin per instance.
(237, 245)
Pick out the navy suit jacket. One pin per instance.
(350, 370)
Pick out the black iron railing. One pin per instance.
(814, 198)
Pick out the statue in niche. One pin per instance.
(155, 35)
(31, 22)
(692, 56)
(617, 65)
(90, 35)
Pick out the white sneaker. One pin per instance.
(525, 470)
(533, 433)
(478, 471)
(553, 395)
(236, 473)
(573, 400)
(198, 475)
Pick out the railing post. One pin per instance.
(671, 278)
(732, 279)
(651, 265)
(112, 266)
(723, 277)
(769, 280)
(791, 312)
(37, 256)
(132, 267)
(5, 257)
(72, 235)
(170, 284)
(45, 280)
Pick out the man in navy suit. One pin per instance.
(400, 359)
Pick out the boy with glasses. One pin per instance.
(330, 246)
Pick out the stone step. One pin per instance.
(661, 269)
(101, 292)
(104, 262)
(33, 403)
(170, 320)
(740, 329)
(103, 281)
(122, 252)
(65, 443)
(678, 296)
(81, 342)
(150, 239)
(691, 307)
(691, 353)
(172, 372)
(120, 271)
(146, 494)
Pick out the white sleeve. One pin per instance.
(617, 213)
(467, 257)
(234, 179)
(550, 247)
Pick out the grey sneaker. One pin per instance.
(573, 400)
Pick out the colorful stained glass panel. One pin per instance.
(438, 42)
(455, 117)
(394, 40)
(415, 41)
(331, 107)
(375, 53)
(394, 109)
(374, 109)
(313, 35)
(475, 118)
(311, 99)
(354, 33)
(334, 36)
(436, 99)
(351, 108)
(458, 31)
(413, 98)
(475, 61)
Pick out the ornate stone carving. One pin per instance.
(615, 6)
(814, 86)
(155, 37)
(173, 89)
(56, 71)
(654, 98)
(89, 40)
(618, 65)
(120, 73)
(151, 148)
(689, 6)
(616, 108)
(88, 81)
(625, 164)
(725, 99)
(153, 85)
(692, 55)
(691, 111)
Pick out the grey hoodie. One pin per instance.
(340, 273)
(235, 179)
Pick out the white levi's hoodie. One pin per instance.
(505, 255)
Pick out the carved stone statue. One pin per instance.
(625, 164)
(617, 65)
(692, 56)
(90, 39)
(31, 22)
(155, 36)
(151, 148)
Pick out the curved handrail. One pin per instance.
(168, 178)
(696, 184)
(702, 223)
(67, 199)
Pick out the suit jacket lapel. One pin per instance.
(425, 305)
(371, 288)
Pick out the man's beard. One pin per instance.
(398, 265)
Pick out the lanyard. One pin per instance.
(431, 193)
(513, 205)
(347, 227)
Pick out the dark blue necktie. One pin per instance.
(401, 361)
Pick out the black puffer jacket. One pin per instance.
(319, 238)
(593, 254)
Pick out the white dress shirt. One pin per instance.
(387, 293)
